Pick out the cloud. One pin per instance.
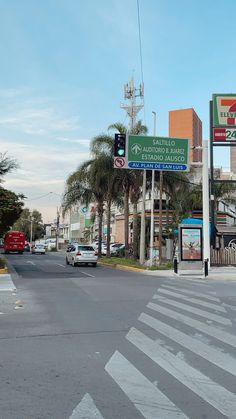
(25, 111)
(81, 141)
(10, 93)
(41, 167)
(36, 131)
(38, 121)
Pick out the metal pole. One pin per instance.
(160, 217)
(143, 226)
(205, 204)
(57, 228)
(212, 175)
(152, 199)
(31, 228)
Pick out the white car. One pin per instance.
(103, 248)
(38, 249)
(115, 247)
(81, 253)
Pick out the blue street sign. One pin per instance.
(156, 166)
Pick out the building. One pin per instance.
(233, 160)
(185, 123)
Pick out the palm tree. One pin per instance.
(86, 185)
(132, 183)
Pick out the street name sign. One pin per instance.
(158, 153)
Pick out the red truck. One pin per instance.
(14, 241)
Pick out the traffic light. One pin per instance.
(120, 141)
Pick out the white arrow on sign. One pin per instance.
(136, 148)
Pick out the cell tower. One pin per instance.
(130, 92)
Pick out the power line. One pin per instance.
(42, 196)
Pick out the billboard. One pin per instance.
(224, 110)
(191, 244)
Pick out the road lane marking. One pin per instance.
(85, 273)
(194, 310)
(211, 392)
(147, 398)
(211, 354)
(32, 263)
(191, 300)
(58, 264)
(209, 330)
(86, 409)
(197, 294)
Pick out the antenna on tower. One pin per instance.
(131, 93)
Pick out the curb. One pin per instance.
(140, 270)
(122, 267)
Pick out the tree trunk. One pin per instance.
(135, 229)
(108, 227)
(100, 216)
(126, 221)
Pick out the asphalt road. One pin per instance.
(103, 343)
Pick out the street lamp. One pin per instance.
(205, 201)
(152, 199)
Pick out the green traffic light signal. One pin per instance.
(121, 152)
(119, 145)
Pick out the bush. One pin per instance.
(164, 266)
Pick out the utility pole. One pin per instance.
(160, 216)
(131, 93)
(205, 204)
(57, 228)
(152, 200)
(31, 228)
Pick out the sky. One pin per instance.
(64, 64)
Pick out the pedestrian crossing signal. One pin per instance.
(119, 146)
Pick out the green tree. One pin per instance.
(11, 206)
(129, 179)
(7, 164)
(224, 192)
(102, 150)
(24, 224)
(86, 185)
(184, 199)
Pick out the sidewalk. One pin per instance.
(6, 283)
(222, 272)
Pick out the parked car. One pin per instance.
(38, 249)
(81, 253)
(115, 248)
(103, 249)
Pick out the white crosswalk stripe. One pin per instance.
(191, 300)
(195, 293)
(221, 360)
(194, 310)
(216, 395)
(150, 401)
(209, 330)
(86, 409)
(147, 397)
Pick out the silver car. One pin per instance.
(81, 253)
(38, 249)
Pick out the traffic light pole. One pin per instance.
(152, 199)
(143, 224)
